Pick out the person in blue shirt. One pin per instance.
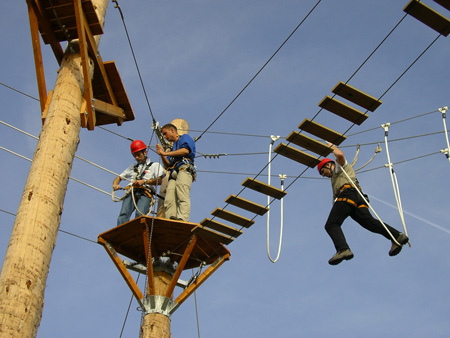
(179, 162)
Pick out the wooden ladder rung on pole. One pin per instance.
(226, 229)
(343, 110)
(247, 205)
(232, 217)
(356, 96)
(322, 132)
(428, 16)
(263, 188)
(296, 155)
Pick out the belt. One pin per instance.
(343, 199)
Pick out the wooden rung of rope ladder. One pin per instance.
(247, 205)
(343, 110)
(322, 132)
(233, 218)
(428, 16)
(226, 229)
(296, 155)
(356, 96)
(211, 234)
(263, 188)
(309, 143)
(444, 3)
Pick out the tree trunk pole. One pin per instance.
(157, 325)
(26, 264)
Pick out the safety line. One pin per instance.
(134, 57)
(259, 71)
(393, 175)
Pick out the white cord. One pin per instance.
(367, 202)
(282, 177)
(394, 177)
(446, 151)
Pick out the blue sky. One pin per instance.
(194, 58)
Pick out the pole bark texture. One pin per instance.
(157, 325)
(26, 264)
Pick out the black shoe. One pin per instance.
(340, 256)
(395, 248)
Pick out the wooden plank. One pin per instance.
(211, 234)
(356, 96)
(343, 110)
(308, 143)
(233, 218)
(444, 3)
(296, 155)
(226, 229)
(263, 188)
(322, 132)
(428, 16)
(247, 205)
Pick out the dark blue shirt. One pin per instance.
(184, 141)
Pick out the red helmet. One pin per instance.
(323, 162)
(137, 145)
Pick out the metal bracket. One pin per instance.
(159, 304)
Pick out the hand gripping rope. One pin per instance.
(282, 177)
(394, 178)
(446, 151)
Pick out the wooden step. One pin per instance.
(211, 234)
(356, 96)
(343, 110)
(247, 205)
(226, 229)
(233, 218)
(296, 155)
(428, 16)
(322, 132)
(444, 3)
(263, 188)
(309, 143)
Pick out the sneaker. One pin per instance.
(340, 256)
(395, 248)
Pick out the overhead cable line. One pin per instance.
(259, 71)
(60, 230)
(134, 57)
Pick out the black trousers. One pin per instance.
(342, 209)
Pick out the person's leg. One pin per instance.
(126, 210)
(182, 191)
(143, 206)
(333, 226)
(170, 199)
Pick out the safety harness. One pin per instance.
(348, 200)
(183, 164)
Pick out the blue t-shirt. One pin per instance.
(184, 141)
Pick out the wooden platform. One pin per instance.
(59, 17)
(101, 93)
(169, 238)
(429, 16)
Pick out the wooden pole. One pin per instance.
(157, 325)
(26, 264)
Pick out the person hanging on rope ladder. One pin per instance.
(179, 161)
(349, 202)
(144, 176)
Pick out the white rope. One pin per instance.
(282, 177)
(394, 180)
(70, 177)
(377, 150)
(446, 151)
(367, 202)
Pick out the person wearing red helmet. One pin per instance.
(143, 176)
(348, 202)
